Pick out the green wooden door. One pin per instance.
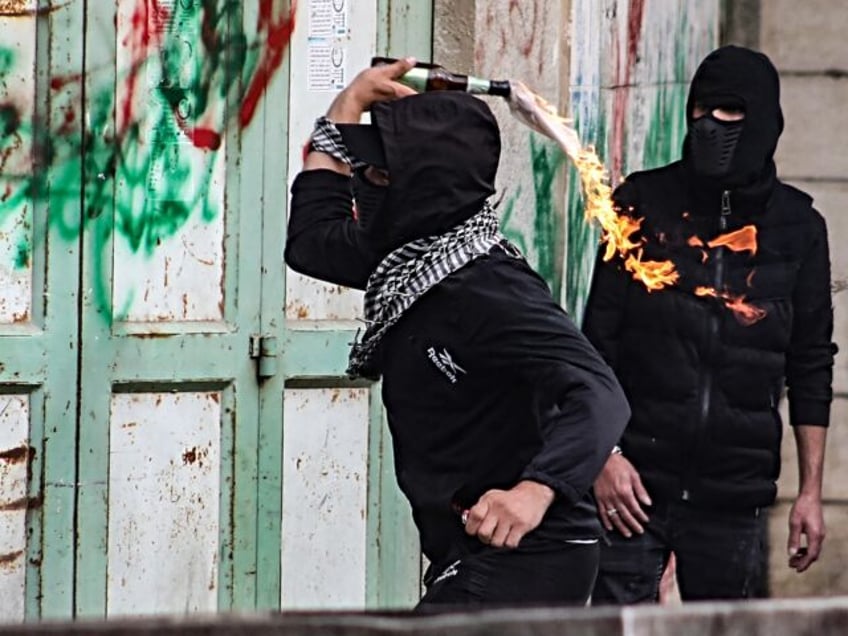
(176, 435)
(39, 264)
(334, 531)
(170, 305)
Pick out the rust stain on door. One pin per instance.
(194, 455)
(10, 557)
(24, 8)
(17, 455)
(23, 503)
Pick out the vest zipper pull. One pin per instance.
(725, 209)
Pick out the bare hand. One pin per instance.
(805, 518)
(620, 496)
(375, 84)
(500, 518)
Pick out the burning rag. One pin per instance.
(411, 270)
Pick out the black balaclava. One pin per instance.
(363, 142)
(441, 150)
(733, 154)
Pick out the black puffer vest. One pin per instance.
(704, 380)
(704, 363)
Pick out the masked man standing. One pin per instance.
(501, 412)
(704, 363)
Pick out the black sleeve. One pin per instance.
(324, 240)
(582, 409)
(809, 361)
(605, 307)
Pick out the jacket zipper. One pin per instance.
(705, 387)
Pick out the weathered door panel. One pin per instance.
(343, 533)
(325, 473)
(39, 221)
(164, 479)
(169, 393)
(14, 483)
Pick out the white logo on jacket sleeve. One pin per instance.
(444, 363)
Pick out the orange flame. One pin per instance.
(743, 239)
(617, 230)
(746, 313)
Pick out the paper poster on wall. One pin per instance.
(328, 18)
(325, 66)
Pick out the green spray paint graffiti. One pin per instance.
(140, 165)
(662, 145)
(581, 236)
(663, 139)
(667, 126)
(546, 160)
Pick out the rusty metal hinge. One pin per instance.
(264, 349)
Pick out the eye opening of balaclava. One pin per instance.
(370, 199)
(363, 142)
(733, 154)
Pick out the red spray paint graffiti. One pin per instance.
(278, 37)
(149, 24)
(186, 73)
(635, 15)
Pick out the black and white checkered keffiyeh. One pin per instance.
(408, 272)
(326, 138)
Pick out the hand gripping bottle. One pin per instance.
(432, 77)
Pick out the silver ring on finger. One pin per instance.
(612, 511)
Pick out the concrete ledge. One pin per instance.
(821, 616)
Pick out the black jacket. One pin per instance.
(703, 385)
(486, 381)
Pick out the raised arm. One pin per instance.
(324, 240)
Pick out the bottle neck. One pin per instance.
(501, 88)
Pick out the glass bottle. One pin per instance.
(432, 77)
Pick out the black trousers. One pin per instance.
(720, 555)
(562, 574)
